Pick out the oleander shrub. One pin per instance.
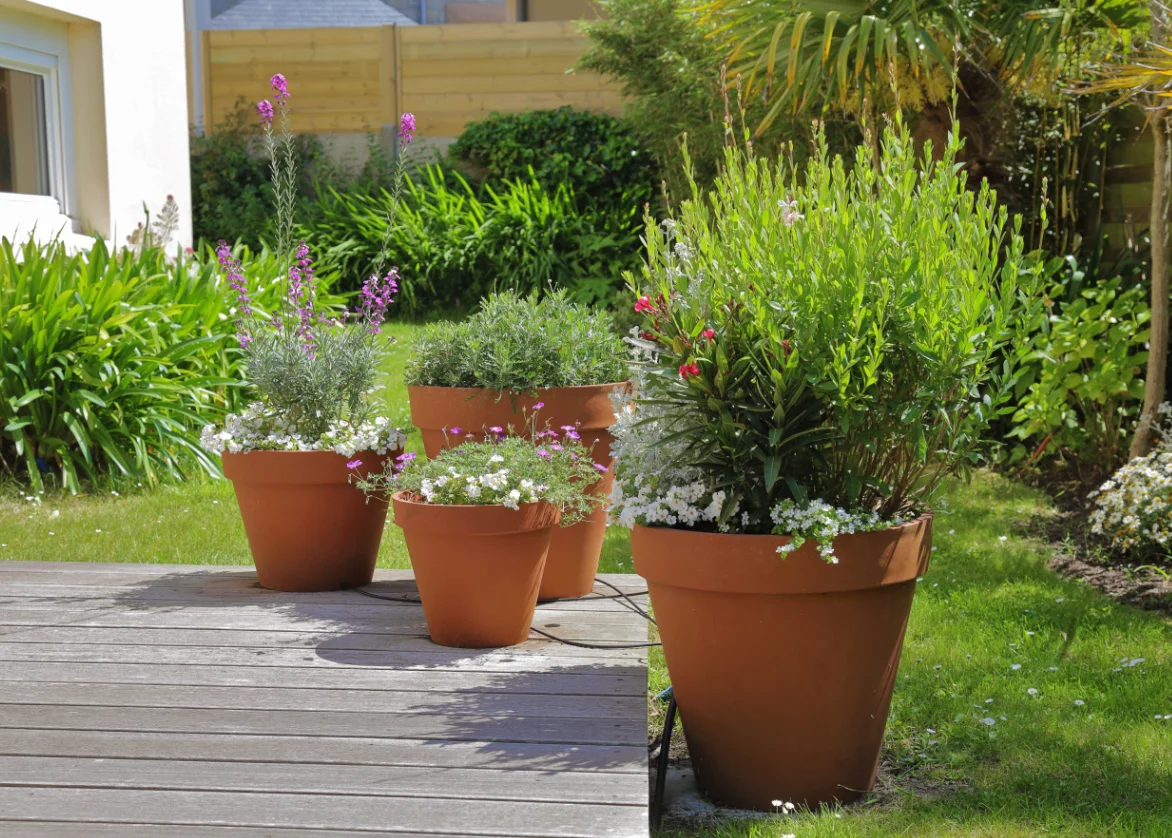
(112, 361)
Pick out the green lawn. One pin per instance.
(1046, 766)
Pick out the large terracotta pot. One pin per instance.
(574, 550)
(782, 668)
(309, 528)
(478, 568)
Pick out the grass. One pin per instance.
(1044, 767)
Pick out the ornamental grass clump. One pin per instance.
(821, 347)
(313, 368)
(545, 466)
(520, 343)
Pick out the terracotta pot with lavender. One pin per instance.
(568, 369)
(295, 454)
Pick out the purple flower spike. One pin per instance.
(376, 297)
(265, 109)
(234, 273)
(280, 86)
(353, 464)
(407, 127)
(601, 467)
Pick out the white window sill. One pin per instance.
(38, 216)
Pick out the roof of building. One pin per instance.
(307, 14)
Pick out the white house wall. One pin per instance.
(124, 131)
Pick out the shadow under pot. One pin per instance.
(574, 550)
(308, 527)
(782, 668)
(478, 568)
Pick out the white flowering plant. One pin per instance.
(820, 347)
(507, 469)
(1133, 509)
(261, 428)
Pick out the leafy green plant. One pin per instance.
(824, 334)
(454, 244)
(1081, 383)
(110, 362)
(596, 154)
(520, 343)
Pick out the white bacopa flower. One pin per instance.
(1015, 667)
(989, 721)
(1032, 691)
(1078, 702)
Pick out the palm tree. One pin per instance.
(1147, 81)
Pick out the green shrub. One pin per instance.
(230, 193)
(452, 245)
(519, 343)
(596, 154)
(112, 361)
(1081, 385)
(825, 333)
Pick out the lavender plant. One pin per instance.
(313, 369)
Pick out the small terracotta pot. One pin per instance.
(782, 668)
(478, 568)
(574, 550)
(309, 528)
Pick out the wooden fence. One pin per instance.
(359, 79)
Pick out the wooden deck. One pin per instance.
(166, 700)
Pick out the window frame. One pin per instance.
(53, 69)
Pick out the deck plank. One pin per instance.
(174, 700)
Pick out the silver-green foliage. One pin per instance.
(520, 343)
(859, 310)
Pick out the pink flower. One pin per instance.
(601, 467)
(541, 452)
(571, 434)
(557, 447)
(497, 429)
(708, 334)
(280, 86)
(643, 304)
(689, 370)
(265, 109)
(539, 405)
(353, 464)
(407, 127)
(455, 429)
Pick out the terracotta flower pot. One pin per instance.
(477, 567)
(574, 550)
(309, 528)
(783, 668)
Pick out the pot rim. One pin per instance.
(520, 392)
(404, 496)
(923, 516)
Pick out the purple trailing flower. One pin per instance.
(234, 273)
(377, 295)
(353, 464)
(572, 434)
(541, 452)
(600, 467)
(497, 429)
(456, 429)
(402, 460)
(557, 447)
(265, 109)
(407, 127)
(539, 405)
(280, 86)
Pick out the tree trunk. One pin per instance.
(1155, 381)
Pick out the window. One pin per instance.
(24, 136)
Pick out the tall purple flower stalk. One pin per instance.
(407, 128)
(234, 273)
(377, 295)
